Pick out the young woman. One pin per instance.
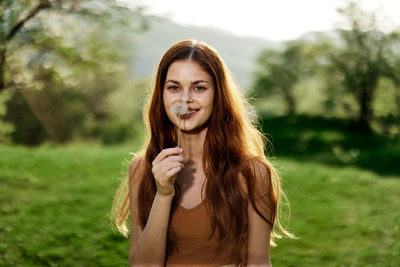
(212, 201)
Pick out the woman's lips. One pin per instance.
(189, 115)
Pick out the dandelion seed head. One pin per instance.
(180, 108)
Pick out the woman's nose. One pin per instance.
(186, 95)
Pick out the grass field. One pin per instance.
(54, 203)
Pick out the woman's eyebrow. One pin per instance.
(195, 82)
(199, 81)
(172, 81)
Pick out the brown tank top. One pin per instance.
(193, 228)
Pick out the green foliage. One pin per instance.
(352, 74)
(5, 128)
(124, 109)
(330, 141)
(65, 61)
(361, 59)
(279, 72)
(27, 128)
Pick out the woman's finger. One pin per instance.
(165, 153)
(169, 160)
(171, 173)
(174, 158)
(166, 167)
(160, 172)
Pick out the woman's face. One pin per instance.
(187, 82)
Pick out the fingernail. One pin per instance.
(181, 149)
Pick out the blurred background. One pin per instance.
(324, 77)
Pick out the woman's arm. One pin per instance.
(258, 240)
(148, 246)
(258, 246)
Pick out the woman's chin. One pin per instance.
(194, 129)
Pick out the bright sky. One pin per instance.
(277, 20)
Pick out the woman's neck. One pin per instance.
(193, 145)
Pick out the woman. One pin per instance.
(212, 201)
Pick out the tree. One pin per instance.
(360, 60)
(63, 58)
(279, 71)
(392, 58)
(23, 24)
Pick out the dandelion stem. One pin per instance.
(179, 127)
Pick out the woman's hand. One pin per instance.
(165, 167)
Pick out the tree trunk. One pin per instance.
(44, 4)
(366, 110)
(2, 68)
(290, 102)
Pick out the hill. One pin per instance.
(239, 53)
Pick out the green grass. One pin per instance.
(54, 204)
(343, 216)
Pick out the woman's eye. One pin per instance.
(199, 88)
(173, 88)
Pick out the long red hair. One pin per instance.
(234, 163)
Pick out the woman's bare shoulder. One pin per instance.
(258, 166)
(136, 166)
